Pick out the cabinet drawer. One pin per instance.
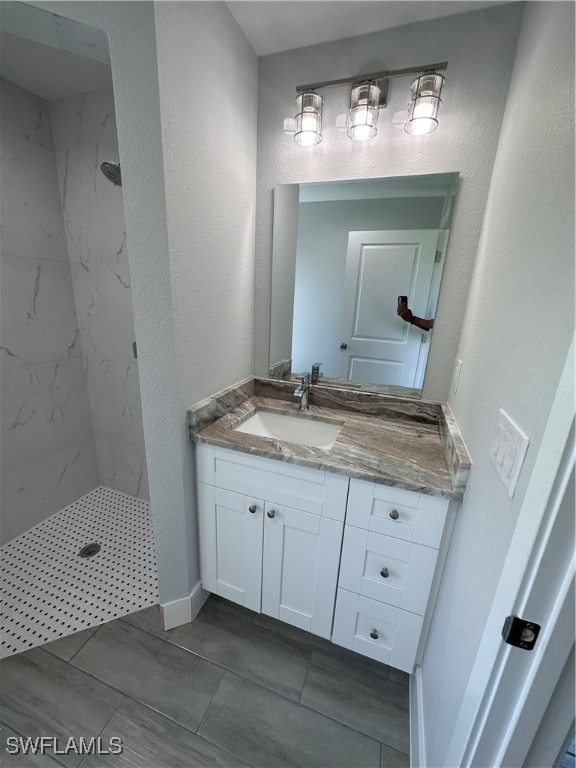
(387, 569)
(310, 490)
(396, 512)
(377, 630)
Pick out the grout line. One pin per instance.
(105, 726)
(210, 704)
(305, 679)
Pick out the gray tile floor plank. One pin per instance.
(392, 758)
(45, 696)
(294, 633)
(227, 606)
(175, 682)
(357, 696)
(233, 641)
(21, 760)
(67, 646)
(267, 730)
(150, 740)
(148, 620)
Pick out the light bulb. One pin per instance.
(423, 109)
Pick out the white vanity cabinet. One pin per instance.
(392, 558)
(271, 535)
(273, 539)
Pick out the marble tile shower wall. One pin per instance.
(47, 435)
(84, 132)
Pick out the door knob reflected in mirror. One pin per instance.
(343, 345)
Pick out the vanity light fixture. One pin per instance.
(306, 127)
(368, 96)
(423, 107)
(363, 114)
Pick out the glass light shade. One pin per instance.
(363, 114)
(423, 108)
(309, 119)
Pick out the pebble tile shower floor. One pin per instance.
(49, 591)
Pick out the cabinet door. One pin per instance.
(300, 568)
(231, 544)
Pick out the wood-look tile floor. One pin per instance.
(230, 689)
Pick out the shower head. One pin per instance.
(112, 173)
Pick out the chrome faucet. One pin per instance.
(303, 392)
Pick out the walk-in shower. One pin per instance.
(73, 461)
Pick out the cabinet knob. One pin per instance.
(394, 514)
(252, 508)
(271, 513)
(384, 573)
(374, 634)
(343, 345)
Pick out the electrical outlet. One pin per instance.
(456, 378)
(508, 450)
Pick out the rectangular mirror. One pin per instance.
(343, 252)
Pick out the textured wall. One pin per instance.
(479, 47)
(518, 327)
(209, 141)
(48, 451)
(84, 133)
(321, 263)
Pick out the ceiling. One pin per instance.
(50, 73)
(55, 57)
(272, 26)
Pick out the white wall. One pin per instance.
(323, 229)
(209, 141)
(517, 330)
(48, 450)
(84, 132)
(479, 47)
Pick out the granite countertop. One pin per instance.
(410, 444)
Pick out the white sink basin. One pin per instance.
(291, 429)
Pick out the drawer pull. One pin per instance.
(394, 514)
(384, 573)
(252, 508)
(271, 513)
(374, 634)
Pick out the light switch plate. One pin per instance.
(508, 449)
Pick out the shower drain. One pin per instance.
(89, 550)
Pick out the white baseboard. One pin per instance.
(184, 610)
(198, 597)
(417, 743)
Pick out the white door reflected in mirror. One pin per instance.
(327, 302)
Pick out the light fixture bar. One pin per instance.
(386, 75)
